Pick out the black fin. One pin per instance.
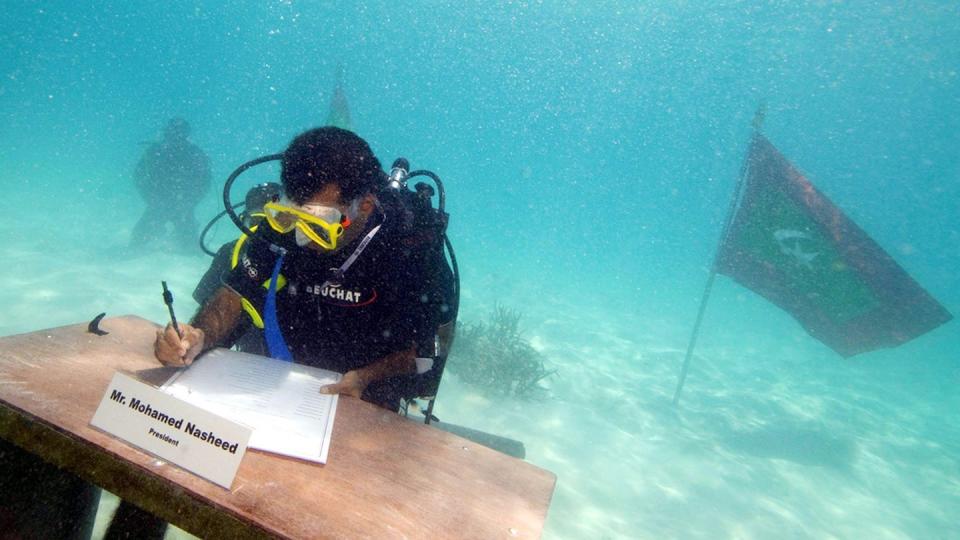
(94, 326)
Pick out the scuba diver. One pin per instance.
(171, 176)
(345, 271)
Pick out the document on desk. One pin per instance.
(280, 401)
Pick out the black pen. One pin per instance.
(168, 300)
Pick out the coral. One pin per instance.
(495, 356)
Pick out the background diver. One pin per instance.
(171, 177)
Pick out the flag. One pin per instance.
(789, 243)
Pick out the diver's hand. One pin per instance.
(352, 384)
(172, 350)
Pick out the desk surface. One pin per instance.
(386, 477)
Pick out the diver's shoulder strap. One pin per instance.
(276, 345)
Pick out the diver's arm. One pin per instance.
(211, 324)
(203, 173)
(140, 176)
(355, 382)
(143, 173)
(218, 316)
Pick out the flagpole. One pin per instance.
(757, 123)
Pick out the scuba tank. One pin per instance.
(428, 231)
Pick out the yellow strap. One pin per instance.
(255, 317)
(235, 257)
(252, 312)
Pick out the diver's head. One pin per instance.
(176, 129)
(329, 155)
(332, 175)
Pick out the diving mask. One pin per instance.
(316, 223)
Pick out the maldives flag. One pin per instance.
(790, 244)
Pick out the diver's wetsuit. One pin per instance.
(385, 302)
(171, 177)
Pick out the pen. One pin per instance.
(168, 300)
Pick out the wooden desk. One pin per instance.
(386, 477)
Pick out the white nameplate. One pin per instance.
(199, 441)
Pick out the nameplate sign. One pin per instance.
(201, 442)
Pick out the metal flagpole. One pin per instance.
(744, 170)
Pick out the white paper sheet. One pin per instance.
(280, 401)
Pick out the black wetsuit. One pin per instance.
(172, 177)
(384, 304)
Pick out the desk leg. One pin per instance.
(40, 500)
(130, 522)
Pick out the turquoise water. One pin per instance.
(589, 151)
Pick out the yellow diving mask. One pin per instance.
(322, 225)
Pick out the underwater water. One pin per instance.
(589, 151)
